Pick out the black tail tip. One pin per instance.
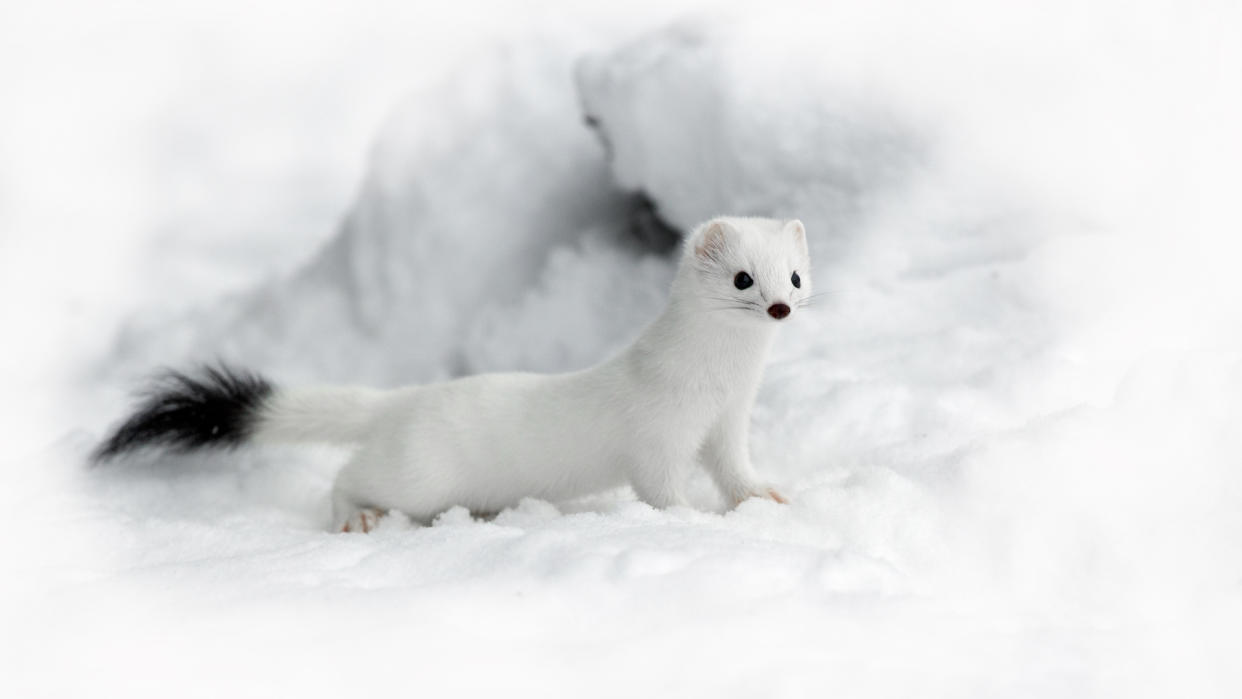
(211, 406)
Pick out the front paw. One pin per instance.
(773, 494)
(761, 491)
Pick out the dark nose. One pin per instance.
(778, 310)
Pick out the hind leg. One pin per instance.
(374, 483)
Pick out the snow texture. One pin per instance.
(1009, 427)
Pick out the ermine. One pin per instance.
(680, 395)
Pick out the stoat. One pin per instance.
(681, 394)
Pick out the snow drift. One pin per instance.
(473, 185)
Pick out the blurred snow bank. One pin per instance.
(738, 118)
(471, 184)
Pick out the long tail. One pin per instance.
(223, 407)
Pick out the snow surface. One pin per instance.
(1009, 426)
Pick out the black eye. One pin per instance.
(797, 281)
(743, 280)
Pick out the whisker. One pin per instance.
(809, 300)
(729, 300)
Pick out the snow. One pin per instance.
(502, 128)
(1009, 426)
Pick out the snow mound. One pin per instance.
(706, 119)
(470, 186)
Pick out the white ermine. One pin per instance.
(680, 394)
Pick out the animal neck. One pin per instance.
(694, 341)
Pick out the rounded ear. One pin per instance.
(712, 240)
(795, 227)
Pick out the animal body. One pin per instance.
(680, 395)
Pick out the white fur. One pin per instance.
(680, 394)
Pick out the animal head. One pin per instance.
(755, 269)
